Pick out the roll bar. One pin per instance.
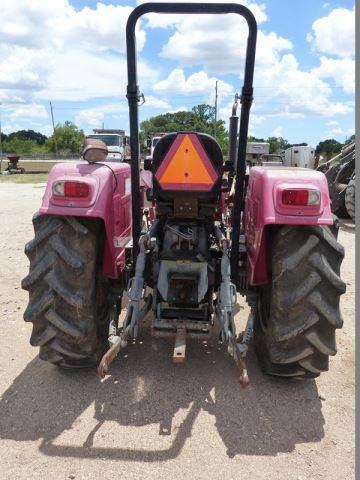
(133, 96)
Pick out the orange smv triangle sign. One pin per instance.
(187, 166)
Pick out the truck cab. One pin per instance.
(117, 143)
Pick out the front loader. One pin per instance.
(214, 230)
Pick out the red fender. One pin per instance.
(263, 206)
(109, 200)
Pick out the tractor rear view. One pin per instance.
(214, 230)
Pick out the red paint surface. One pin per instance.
(264, 207)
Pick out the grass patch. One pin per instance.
(24, 178)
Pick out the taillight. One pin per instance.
(301, 197)
(71, 189)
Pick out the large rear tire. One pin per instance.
(350, 198)
(298, 311)
(68, 301)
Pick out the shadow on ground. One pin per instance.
(271, 416)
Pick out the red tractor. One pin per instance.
(214, 229)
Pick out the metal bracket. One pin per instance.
(246, 97)
(180, 346)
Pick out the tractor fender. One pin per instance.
(263, 207)
(109, 200)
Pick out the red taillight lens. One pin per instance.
(295, 197)
(76, 189)
(71, 189)
(301, 197)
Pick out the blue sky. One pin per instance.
(73, 54)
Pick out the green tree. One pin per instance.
(201, 118)
(37, 137)
(67, 137)
(255, 139)
(277, 144)
(328, 148)
(18, 145)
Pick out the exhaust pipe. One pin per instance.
(233, 135)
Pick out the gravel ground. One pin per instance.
(153, 419)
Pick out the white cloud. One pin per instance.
(282, 87)
(339, 132)
(197, 83)
(92, 76)
(285, 89)
(52, 49)
(101, 28)
(278, 132)
(180, 109)
(167, 20)
(341, 70)
(335, 33)
(93, 117)
(220, 47)
(23, 69)
(26, 112)
(30, 23)
(332, 123)
(156, 103)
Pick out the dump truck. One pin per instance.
(116, 141)
(216, 237)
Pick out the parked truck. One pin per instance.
(300, 156)
(151, 141)
(254, 150)
(117, 143)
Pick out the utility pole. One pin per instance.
(53, 123)
(216, 101)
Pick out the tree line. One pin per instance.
(68, 138)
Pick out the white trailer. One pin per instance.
(301, 156)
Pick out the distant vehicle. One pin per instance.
(117, 142)
(300, 156)
(271, 159)
(151, 141)
(254, 150)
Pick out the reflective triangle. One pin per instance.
(186, 165)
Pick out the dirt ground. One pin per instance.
(152, 419)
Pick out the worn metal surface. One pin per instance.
(180, 346)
